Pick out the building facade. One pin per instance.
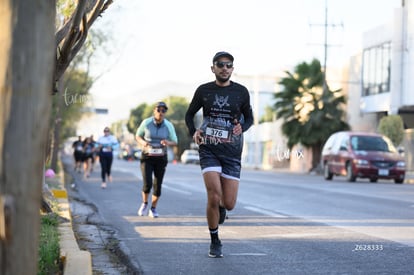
(380, 78)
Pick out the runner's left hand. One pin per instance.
(237, 129)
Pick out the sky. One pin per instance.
(165, 47)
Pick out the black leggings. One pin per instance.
(106, 164)
(150, 166)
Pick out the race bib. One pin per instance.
(106, 149)
(155, 152)
(218, 133)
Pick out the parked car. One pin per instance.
(190, 156)
(137, 153)
(129, 153)
(362, 155)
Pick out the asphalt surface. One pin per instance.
(106, 224)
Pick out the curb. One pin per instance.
(75, 261)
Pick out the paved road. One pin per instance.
(283, 224)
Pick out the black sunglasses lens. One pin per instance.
(161, 111)
(222, 64)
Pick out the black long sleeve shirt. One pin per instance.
(223, 107)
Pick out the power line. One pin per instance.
(326, 25)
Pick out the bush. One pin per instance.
(392, 126)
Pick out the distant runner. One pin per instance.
(106, 144)
(154, 134)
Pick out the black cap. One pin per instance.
(161, 104)
(222, 54)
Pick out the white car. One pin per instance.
(190, 156)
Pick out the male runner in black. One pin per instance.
(226, 115)
(78, 153)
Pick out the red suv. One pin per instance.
(362, 155)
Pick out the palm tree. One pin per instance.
(310, 112)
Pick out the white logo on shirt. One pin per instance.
(221, 101)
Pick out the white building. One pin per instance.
(380, 78)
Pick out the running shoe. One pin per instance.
(143, 210)
(215, 250)
(222, 212)
(153, 213)
(103, 185)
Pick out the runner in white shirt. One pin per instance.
(106, 144)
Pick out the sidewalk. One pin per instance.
(75, 261)
(409, 177)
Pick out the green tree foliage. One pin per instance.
(268, 116)
(74, 98)
(177, 106)
(135, 118)
(310, 112)
(117, 128)
(73, 23)
(76, 44)
(64, 9)
(392, 126)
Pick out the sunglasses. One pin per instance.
(161, 110)
(221, 64)
(106, 130)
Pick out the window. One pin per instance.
(376, 69)
(368, 143)
(344, 144)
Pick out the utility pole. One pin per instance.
(326, 45)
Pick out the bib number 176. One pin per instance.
(218, 133)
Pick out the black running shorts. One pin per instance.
(215, 160)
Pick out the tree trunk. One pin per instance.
(57, 126)
(316, 157)
(26, 73)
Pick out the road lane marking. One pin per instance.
(264, 212)
(128, 171)
(248, 254)
(177, 190)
